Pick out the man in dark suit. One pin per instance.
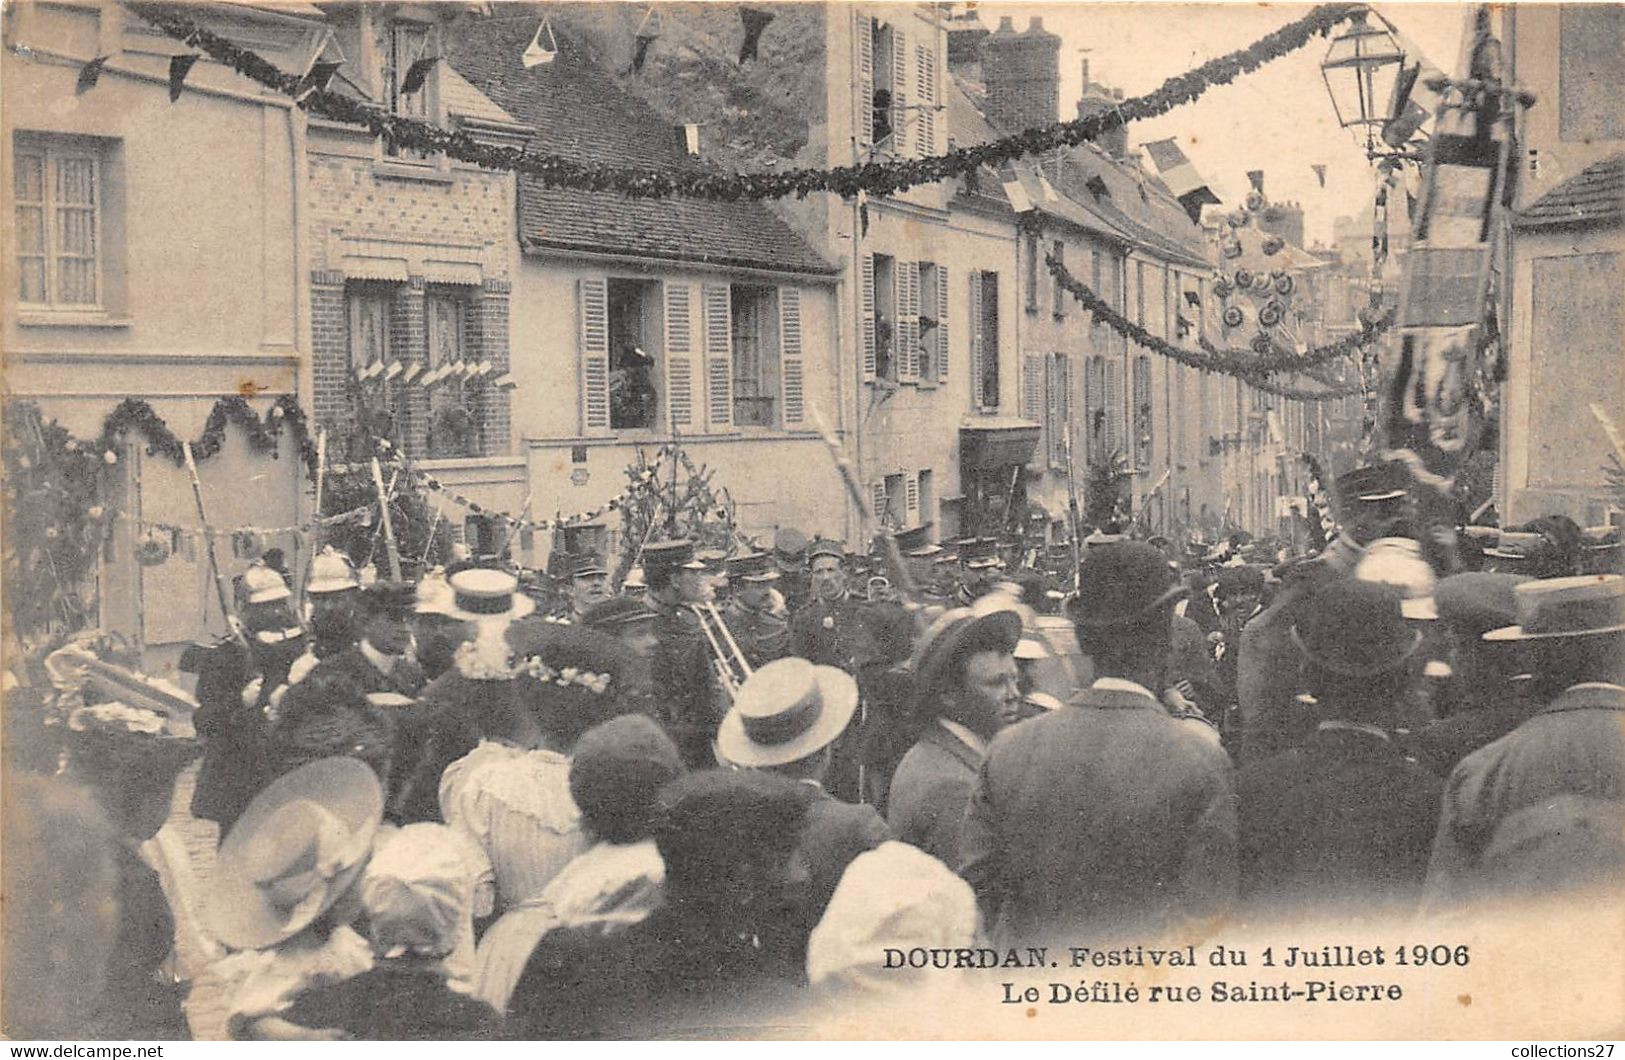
(966, 685)
(1346, 814)
(786, 719)
(1538, 810)
(381, 663)
(1107, 815)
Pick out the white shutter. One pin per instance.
(863, 29)
(908, 320)
(1032, 387)
(866, 314)
(592, 304)
(899, 93)
(877, 502)
(975, 304)
(680, 353)
(719, 369)
(925, 87)
(791, 378)
(942, 322)
(912, 502)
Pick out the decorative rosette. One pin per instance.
(1270, 313)
(1261, 343)
(1284, 284)
(1262, 284)
(1222, 289)
(1232, 248)
(1237, 219)
(1272, 244)
(153, 549)
(1244, 278)
(1234, 317)
(1255, 201)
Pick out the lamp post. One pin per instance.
(1362, 68)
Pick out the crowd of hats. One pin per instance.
(874, 178)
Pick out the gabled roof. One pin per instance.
(578, 111)
(1594, 196)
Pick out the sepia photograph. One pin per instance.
(803, 521)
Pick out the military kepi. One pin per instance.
(672, 555)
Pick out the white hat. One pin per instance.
(262, 585)
(331, 572)
(785, 711)
(1398, 562)
(480, 593)
(435, 595)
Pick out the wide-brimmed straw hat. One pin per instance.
(480, 593)
(294, 852)
(1584, 606)
(785, 711)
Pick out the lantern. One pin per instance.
(1361, 68)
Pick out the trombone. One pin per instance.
(726, 655)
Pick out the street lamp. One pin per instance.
(1361, 69)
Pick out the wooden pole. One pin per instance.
(208, 546)
(389, 526)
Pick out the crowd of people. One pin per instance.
(730, 784)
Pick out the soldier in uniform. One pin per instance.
(829, 630)
(587, 584)
(761, 634)
(979, 569)
(716, 575)
(683, 667)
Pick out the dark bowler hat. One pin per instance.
(916, 541)
(1584, 606)
(1477, 601)
(1377, 482)
(671, 555)
(1120, 582)
(611, 615)
(826, 547)
(752, 567)
(386, 599)
(1355, 628)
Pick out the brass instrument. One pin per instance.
(726, 655)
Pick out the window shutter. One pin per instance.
(899, 92)
(942, 322)
(864, 30)
(976, 338)
(912, 503)
(1142, 410)
(1114, 409)
(866, 313)
(877, 502)
(1032, 387)
(790, 363)
(908, 320)
(592, 300)
(925, 64)
(680, 353)
(719, 369)
(1060, 404)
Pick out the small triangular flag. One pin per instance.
(1320, 173)
(179, 67)
(316, 80)
(417, 74)
(688, 138)
(89, 74)
(755, 20)
(640, 52)
(544, 47)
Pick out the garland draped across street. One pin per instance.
(1248, 367)
(875, 178)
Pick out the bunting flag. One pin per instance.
(89, 74)
(1014, 190)
(316, 80)
(1181, 176)
(688, 138)
(1320, 172)
(647, 33)
(755, 21)
(179, 67)
(417, 74)
(543, 47)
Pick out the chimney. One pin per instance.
(1023, 76)
(1097, 98)
(965, 36)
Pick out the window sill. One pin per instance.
(68, 318)
(426, 173)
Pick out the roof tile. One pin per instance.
(1595, 195)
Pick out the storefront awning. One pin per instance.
(997, 442)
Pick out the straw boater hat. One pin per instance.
(332, 572)
(479, 593)
(1586, 606)
(294, 852)
(787, 710)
